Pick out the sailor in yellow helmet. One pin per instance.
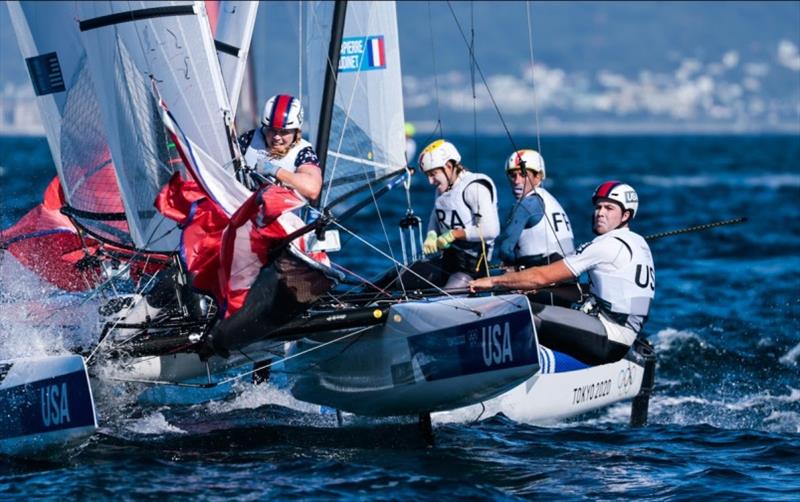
(464, 221)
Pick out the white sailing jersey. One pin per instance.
(469, 204)
(622, 277)
(553, 233)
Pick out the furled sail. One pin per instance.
(48, 37)
(235, 21)
(139, 49)
(367, 138)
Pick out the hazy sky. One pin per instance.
(598, 65)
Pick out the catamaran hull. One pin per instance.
(552, 397)
(46, 405)
(428, 356)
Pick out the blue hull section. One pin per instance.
(46, 403)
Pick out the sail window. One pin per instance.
(45, 74)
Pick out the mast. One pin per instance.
(329, 92)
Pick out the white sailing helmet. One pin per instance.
(437, 154)
(621, 193)
(526, 159)
(283, 112)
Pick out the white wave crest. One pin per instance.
(725, 179)
(791, 358)
(763, 399)
(153, 424)
(668, 338)
(772, 181)
(256, 396)
(784, 420)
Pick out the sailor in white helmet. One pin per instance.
(537, 231)
(278, 150)
(622, 277)
(464, 222)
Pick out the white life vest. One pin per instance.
(451, 211)
(623, 279)
(258, 148)
(553, 235)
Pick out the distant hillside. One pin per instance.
(609, 66)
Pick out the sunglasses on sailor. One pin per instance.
(272, 131)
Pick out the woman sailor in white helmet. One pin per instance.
(278, 150)
(622, 277)
(464, 222)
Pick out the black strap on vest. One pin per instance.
(480, 181)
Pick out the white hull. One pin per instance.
(551, 397)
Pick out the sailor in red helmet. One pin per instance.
(622, 276)
(277, 149)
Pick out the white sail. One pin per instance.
(48, 37)
(235, 23)
(367, 138)
(134, 48)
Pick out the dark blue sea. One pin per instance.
(724, 419)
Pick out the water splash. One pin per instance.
(38, 319)
(153, 424)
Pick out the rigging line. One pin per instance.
(241, 375)
(472, 81)
(483, 78)
(300, 46)
(435, 74)
(364, 171)
(437, 288)
(293, 356)
(113, 326)
(533, 77)
(364, 280)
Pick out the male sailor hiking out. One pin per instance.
(278, 150)
(622, 277)
(537, 231)
(464, 222)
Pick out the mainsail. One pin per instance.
(367, 139)
(48, 37)
(139, 49)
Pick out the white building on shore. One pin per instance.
(19, 115)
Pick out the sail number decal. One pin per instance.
(362, 54)
(499, 342)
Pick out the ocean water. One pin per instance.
(724, 419)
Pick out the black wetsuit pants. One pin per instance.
(577, 334)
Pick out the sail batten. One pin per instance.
(140, 53)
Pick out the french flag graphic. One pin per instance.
(376, 54)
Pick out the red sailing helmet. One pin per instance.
(283, 112)
(621, 193)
